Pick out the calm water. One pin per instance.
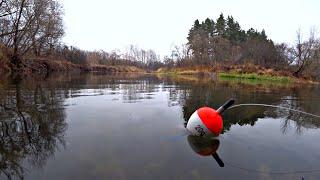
(132, 127)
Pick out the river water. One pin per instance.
(127, 126)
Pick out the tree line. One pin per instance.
(223, 41)
(34, 29)
(132, 56)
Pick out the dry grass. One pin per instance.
(62, 65)
(185, 70)
(248, 69)
(245, 71)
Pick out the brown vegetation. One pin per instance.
(31, 32)
(250, 68)
(46, 66)
(222, 44)
(234, 68)
(4, 60)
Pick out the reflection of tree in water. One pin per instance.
(32, 126)
(291, 118)
(133, 92)
(32, 118)
(177, 96)
(214, 94)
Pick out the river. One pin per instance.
(129, 126)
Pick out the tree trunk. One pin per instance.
(15, 59)
(15, 62)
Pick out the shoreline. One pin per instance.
(41, 66)
(247, 72)
(237, 73)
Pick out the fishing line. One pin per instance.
(274, 106)
(272, 172)
(263, 105)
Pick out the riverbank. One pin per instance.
(255, 76)
(248, 72)
(239, 72)
(44, 66)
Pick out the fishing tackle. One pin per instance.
(207, 121)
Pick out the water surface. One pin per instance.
(128, 126)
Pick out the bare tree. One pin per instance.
(304, 52)
(30, 25)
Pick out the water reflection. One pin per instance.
(109, 114)
(205, 146)
(290, 117)
(32, 127)
(204, 93)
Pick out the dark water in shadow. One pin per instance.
(132, 127)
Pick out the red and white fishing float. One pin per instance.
(207, 121)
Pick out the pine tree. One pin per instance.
(209, 26)
(196, 39)
(224, 39)
(242, 36)
(233, 30)
(196, 24)
(263, 35)
(221, 25)
(192, 31)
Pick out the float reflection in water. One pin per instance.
(205, 146)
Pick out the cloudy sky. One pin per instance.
(160, 24)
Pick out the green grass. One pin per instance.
(175, 72)
(254, 76)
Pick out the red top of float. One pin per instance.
(211, 119)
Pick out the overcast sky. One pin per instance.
(158, 25)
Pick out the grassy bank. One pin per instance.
(184, 71)
(255, 76)
(245, 72)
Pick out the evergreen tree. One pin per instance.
(221, 25)
(196, 24)
(197, 40)
(242, 36)
(209, 26)
(224, 40)
(254, 34)
(233, 30)
(263, 34)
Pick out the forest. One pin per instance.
(32, 30)
(223, 41)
